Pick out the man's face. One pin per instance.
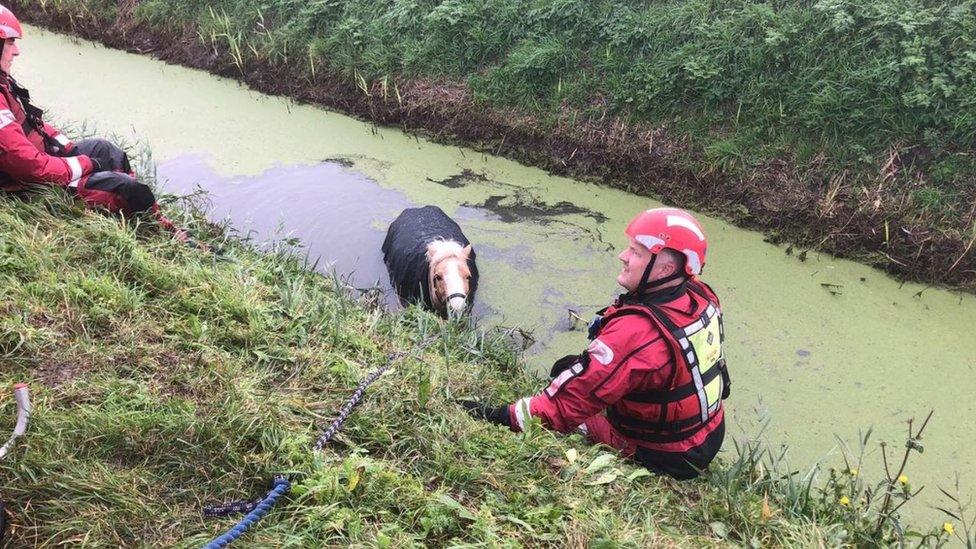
(634, 258)
(10, 51)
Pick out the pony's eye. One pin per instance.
(437, 278)
(469, 277)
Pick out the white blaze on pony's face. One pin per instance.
(450, 277)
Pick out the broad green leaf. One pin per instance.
(453, 504)
(601, 462)
(605, 478)
(642, 472)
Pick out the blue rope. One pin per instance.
(281, 486)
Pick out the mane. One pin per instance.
(445, 249)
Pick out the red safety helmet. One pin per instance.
(9, 25)
(672, 228)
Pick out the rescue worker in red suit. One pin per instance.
(652, 380)
(33, 152)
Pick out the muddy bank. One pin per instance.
(872, 221)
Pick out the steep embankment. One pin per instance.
(848, 127)
(163, 380)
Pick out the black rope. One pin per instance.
(245, 506)
(350, 404)
(230, 508)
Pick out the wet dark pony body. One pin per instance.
(405, 252)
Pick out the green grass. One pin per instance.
(849, 78)
(163, 380)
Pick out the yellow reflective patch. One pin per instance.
(713, 391)
(707, 345)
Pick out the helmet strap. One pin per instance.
(646, 284)
(3, 44)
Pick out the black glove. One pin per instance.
(563, 364)
(101, 163)
(494, 414)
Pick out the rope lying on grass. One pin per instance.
(281, 487)
(258, 508)
(244, 506)
(353, 401)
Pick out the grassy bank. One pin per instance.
(843, 126)
(163, 380)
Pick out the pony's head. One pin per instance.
(450, 276)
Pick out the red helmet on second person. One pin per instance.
(673, 228)
(9, 25)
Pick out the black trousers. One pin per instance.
(683, 465)
(114, 190)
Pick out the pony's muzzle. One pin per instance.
(457, 303)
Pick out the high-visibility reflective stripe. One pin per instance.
(677, 220)
(600, 352)
(714, 407)
(75, 165)
(702, 400)
(522, 412)
(713, 386)
(562, 378)
(9, 32)
(6, 118)
(60, 138)
(697, 325)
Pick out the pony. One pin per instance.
(430, 261)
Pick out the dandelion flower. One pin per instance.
(844, 500)
(948, 528)
(853, 472)
(903, 479)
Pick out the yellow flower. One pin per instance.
(903, 479)
(844, 500)
(852, 472)
(947, 527)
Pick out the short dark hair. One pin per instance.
(677, 257)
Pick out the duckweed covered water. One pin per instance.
(820, 345)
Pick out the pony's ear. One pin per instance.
(466, 251)
(431, 250)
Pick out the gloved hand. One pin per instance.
(494, 414)
(563, 364)
(101, 163)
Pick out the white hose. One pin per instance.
(22, 397)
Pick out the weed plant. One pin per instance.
(163, 380)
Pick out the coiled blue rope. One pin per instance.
(281, 487)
